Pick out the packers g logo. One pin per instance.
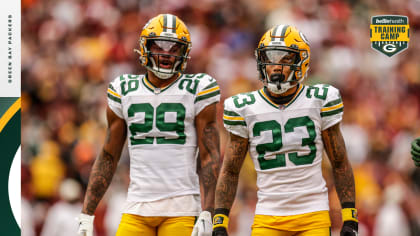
(389, 34)
(389, 48)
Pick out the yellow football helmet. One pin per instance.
(286, 46)
(162, 37)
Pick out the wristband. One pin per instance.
(220, 220)
(349, 214)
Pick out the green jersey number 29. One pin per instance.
(148, 110)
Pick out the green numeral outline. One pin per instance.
(290, 126)
(317, 94)
(277, 143)
(271, 147)
(191, 89)
(141, 128)
(245, 101)
(178, 126)
(132, 85)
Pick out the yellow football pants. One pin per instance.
(134, 225)
(309, 224)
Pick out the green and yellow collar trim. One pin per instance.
(269, 101)
(155, 89)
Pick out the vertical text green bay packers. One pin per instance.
(286, 126)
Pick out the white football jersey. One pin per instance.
(286, 146)
(161, 132)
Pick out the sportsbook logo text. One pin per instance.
(389, 34)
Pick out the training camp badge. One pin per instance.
(389, 34)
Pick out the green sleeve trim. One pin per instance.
(229, 122)
(214, 84)
(112, 88)
(332, 103)
(330, 113)
(212, 94)
(115, 99)
(230, 113)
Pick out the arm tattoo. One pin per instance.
(209, 168)
(228, 179)
(100, 177)
(342, 171)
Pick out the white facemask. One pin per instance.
(162, 73)
(283, 87)
(272, 86)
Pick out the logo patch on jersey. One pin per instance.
(389, 34)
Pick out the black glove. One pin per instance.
(350, 228)
(415, 151)
(219, 231)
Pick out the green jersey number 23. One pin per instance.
(277, 144)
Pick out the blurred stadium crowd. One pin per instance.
(71, 49)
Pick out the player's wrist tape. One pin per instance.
(221, 218)
(86, 218)
(349, 214)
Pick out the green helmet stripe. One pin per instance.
(173, 24)
(169, 23)
(283, 32)
(274, 33)
(165, 22)
(279, 32)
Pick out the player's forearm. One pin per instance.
(210, 164)
(100, 177)
(344, 182)
(226, 189)
(208, 180)
(227, 183)
(342, 171)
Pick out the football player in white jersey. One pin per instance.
(169, 121)
(286, 126)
